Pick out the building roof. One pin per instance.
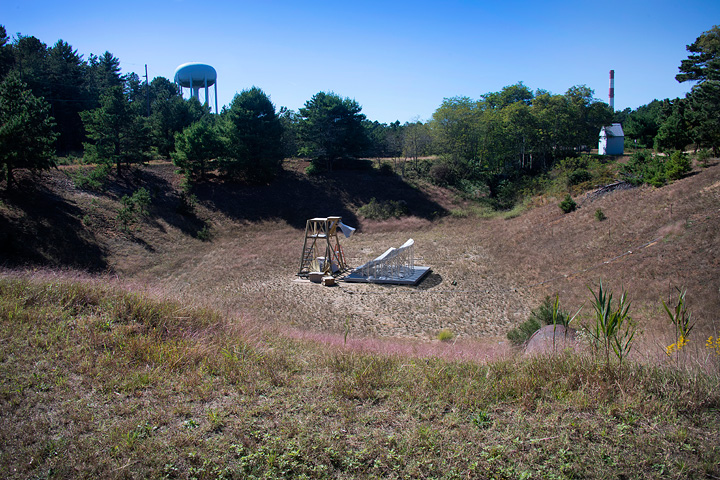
(614, 130)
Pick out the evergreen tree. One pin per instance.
(65, 76)
(26, 129)
(331, 127)
(254, 137)
(117, 135)
(196, 147)
(703, 101)
(170, 114)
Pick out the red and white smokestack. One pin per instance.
(611, 95)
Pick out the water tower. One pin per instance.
(196, 76)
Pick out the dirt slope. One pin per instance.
(487, 274)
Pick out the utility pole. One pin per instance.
(147, 90)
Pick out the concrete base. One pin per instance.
(419, 273)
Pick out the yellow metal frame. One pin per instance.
(321, 241)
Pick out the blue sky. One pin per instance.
(398, 59)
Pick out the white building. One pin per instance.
(612, 140)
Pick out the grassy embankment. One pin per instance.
(98, 382)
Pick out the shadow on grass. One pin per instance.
(40, 228)
(294, 197)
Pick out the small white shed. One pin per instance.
(612, 140)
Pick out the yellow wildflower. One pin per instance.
(713, 344)
(675, 347)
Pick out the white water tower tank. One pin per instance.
(196, 76)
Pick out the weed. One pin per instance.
(190, 424)
(481, 419)
(713, 344)
(216, 419)
(681, 320)
(613, 329)
(600, 215)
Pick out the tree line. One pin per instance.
(690, 121)
(55, 102)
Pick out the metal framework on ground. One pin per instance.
(322, 251)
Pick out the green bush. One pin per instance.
(376, 210)
(579, 176)
(442, 174)
(703, 156)
(522, 333)
(313, 169)
(386, 168)
(92, 179)
(600, 215)
(568, 204)
(133, 205)
(677, 166)
(187, 203)
(644, 167)
(204, 234)
(547, 313)
(445, 335)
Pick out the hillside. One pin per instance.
(155, 351)
(487, 273)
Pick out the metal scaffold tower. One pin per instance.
(322, 251)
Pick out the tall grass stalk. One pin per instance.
(681, 318)
(613, 329)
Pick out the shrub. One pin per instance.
(550, 313)
(568, 204)
(677, 166)
(600, 215)
(579, 176)
(442, 174)
(644, 167)
(134, 204)
(93, 179)
(204, 234)
(376, 210)
(547, 313)
(187, 203)
(445, 335)
(313, 169)
(386, 168)
(703, 156)
(523, 332)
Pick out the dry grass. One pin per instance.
(206, 359)
(100, 382)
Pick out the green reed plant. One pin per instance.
(681, 318)
(613, 329)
